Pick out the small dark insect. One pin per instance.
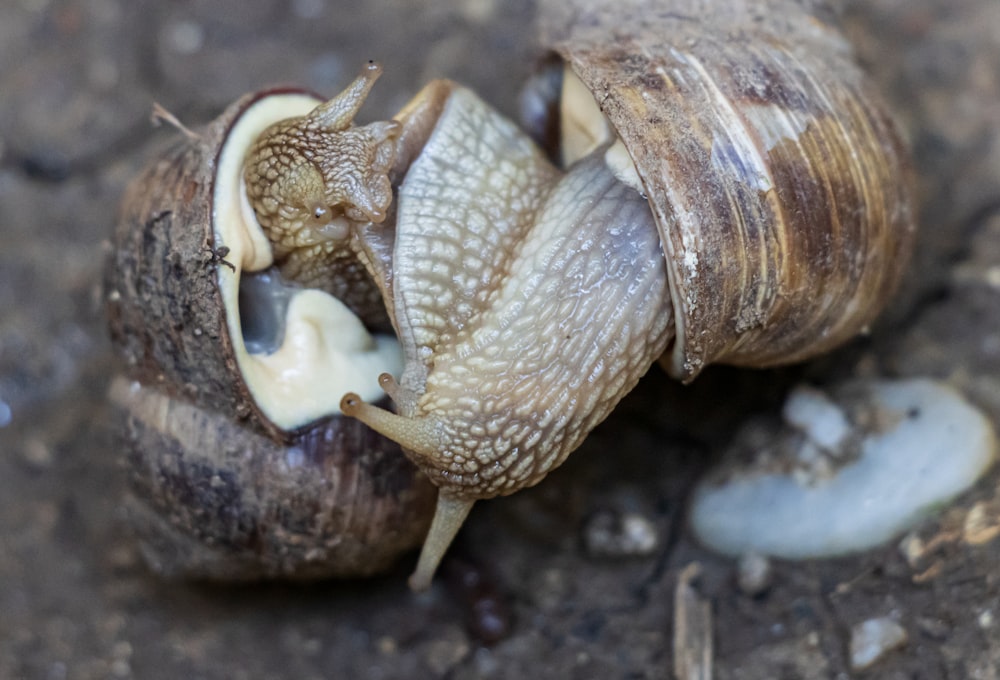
(218, 256)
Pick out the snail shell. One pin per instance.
(234, 474)
(777, 180)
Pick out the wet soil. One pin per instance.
(77, 80)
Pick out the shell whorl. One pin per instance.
(777, 180)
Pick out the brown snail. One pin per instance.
(236, 469)
(732, 193)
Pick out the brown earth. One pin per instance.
(77, 79)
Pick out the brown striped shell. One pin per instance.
(776, 178)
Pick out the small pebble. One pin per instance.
(912, 548)
(873, 639)
(37, 453)
(488, 614)
(620, 534)
(387, 645)
(753, 573)
(937, 629)
(816, 415)
(308, 9)
(185, 37)
(445, 653)
(480, 11)
(550, 589)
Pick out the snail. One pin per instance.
(729, 190)
(236, 469)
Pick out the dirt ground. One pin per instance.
(77, 79)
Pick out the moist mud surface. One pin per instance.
(78, 79)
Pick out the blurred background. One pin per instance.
(77, 82)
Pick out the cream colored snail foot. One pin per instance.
(844, 473)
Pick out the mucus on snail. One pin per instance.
(732, 193)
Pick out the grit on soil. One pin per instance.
(77, 80)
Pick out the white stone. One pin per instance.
(873, 639)
(815, 415)
(753, 573)
(923, 444)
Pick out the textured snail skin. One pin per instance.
(522, 329)
(310, 179)
(777, 192)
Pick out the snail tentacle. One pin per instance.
(340, 111)
(449, 516)
(421, 436)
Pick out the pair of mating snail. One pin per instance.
(729, 191)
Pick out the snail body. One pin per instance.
(738, 196)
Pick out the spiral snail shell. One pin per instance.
(732, 192)
(235, 473)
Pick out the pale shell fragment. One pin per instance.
(916, 445)
(873, 639)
